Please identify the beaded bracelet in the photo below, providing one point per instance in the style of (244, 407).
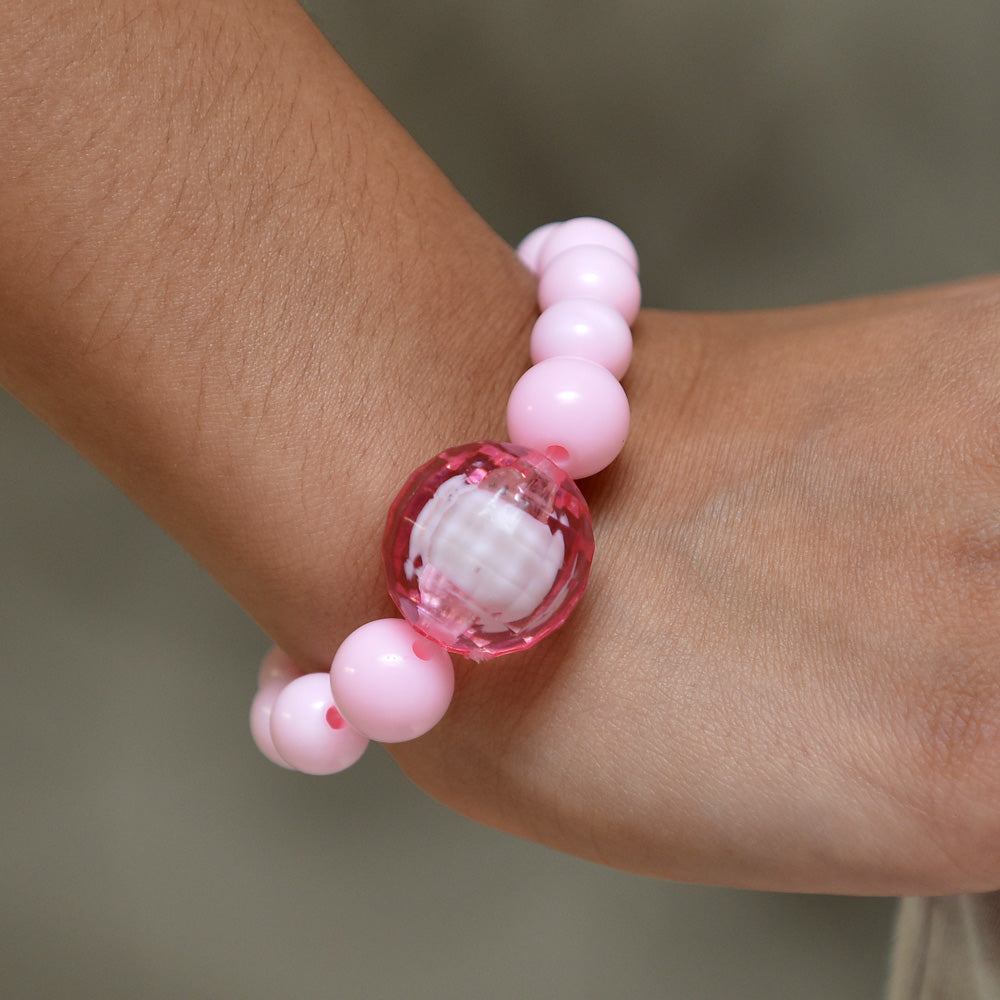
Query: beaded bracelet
(488, 546)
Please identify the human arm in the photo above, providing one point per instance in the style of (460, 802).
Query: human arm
(782, 673)
(233, 282)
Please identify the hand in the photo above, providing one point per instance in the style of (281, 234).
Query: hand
(786, 673)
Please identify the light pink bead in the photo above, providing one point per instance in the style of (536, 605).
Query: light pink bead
(591, 272)
(583, 328)
(277, 665)
(260, 719)
(583, 232)
(573, 411)
(530, 247)
(308, 731)
(391, 682)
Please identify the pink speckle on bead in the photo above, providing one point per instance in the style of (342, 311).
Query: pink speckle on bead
(390, 682)
(301, 730)
(572, 410)
(591, 272)
(529, 249)
(583, 328)
(587, 231)
(487, 548)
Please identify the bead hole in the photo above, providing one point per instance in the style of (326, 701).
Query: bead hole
(556, 454)
(334, 719)
(422, 649)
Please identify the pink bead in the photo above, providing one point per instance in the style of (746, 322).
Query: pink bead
(308, 731)
(260, 720)
(391, 683)
(583, 232)
(572, 410)
(277, 665)
(591, 272)
(530, 247)
(583, 328)
(487, 548)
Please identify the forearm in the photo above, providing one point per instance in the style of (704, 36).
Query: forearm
(231, 280)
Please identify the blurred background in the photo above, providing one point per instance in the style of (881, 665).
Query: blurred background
(763, 153)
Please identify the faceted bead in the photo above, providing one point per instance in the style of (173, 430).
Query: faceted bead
(583, 328)
(530, 247)
(390, 682)
(591, 272)
(308, 731)
(587, 231)
(487, 548)
(572, 410)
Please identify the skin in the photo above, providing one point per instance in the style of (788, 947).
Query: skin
(784, 674)
(241, 290)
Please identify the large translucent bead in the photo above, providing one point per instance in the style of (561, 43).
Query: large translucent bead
(487, 548)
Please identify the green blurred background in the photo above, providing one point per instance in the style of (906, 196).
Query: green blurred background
(762, 153)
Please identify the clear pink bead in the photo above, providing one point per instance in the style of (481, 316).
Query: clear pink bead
(583, 328)
(572, 410)
(487, 548)
(308, 731)
(390, 682)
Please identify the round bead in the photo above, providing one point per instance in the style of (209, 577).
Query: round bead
(530, 247)
(591, 272)
(583, 328)
(277, 665)
(308, 731)
(572, 410)
(487, 548)
(260, 720)
(583, 232)
(390, 682)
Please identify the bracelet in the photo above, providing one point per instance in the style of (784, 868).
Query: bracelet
(488, 546)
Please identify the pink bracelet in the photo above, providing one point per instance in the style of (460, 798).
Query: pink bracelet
(488, 546)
